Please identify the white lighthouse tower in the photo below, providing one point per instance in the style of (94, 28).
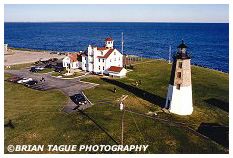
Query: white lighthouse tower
(109, 43)
(179, 96)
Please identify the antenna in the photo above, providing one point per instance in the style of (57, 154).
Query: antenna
(122, 46)
(170, 49)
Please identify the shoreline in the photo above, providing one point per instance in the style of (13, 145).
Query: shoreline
(48, 51)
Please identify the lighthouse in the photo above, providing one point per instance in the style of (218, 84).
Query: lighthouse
(179, 96)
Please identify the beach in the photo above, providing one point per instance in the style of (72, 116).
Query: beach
(22, 56)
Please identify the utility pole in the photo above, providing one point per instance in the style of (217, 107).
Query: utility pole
(122, 46)
(170, 49)
(122, 123)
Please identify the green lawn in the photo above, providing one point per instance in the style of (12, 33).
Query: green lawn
(46, 70)
(154, 76)
(37, 117)
(75, 74)
(19, 66)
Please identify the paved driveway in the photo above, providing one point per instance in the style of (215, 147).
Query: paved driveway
(68, 86)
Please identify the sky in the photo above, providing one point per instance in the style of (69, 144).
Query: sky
(206, 13)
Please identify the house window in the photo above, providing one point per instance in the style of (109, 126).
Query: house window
(179, 74)
(99, 60)
(119, 58)
(85, 58)
(114, 53)
(103, 60)
(180, 64)
(103, 67)
(99, 67)
(178, 86)
(110, 60)
(101, 53)
(115, 59)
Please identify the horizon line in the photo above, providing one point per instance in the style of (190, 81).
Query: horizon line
(104, 22)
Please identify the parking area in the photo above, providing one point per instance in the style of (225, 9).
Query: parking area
(45, 82)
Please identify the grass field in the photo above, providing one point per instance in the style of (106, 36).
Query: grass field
(37, 118)
(19, 66)
(46, 70)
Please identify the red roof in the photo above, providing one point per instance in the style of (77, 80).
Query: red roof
(107, 54)
(103, 48)
(115, 69)
(73, 57)
(108, 39)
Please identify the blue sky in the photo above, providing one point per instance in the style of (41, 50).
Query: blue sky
(116, 13)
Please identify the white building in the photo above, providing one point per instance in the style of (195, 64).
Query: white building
(72, 61)
(5, 48)
(99, 60)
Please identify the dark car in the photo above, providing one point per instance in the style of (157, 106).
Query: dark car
(31, 83)
(14, 79)
(78, 99)
(53, 59)
(48, 66)
(59, 69)
(33, 69)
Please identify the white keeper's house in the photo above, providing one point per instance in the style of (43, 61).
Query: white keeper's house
(98, 60)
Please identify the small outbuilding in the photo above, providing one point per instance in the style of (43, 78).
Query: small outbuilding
(115, 71)
(5, 48)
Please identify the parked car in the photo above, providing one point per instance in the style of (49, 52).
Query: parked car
(48, 66)
(53, 59)
(59, 69)
(24, 80)
(14, 79)
(30, 83)
(62, 53)
(78, 99)
(39, 68)
(33, 69)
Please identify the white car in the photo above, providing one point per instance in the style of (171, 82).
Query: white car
(39, 68)
(24, 80)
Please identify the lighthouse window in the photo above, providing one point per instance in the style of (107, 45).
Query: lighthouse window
(179, 74)
(180, 64)
(178, 86)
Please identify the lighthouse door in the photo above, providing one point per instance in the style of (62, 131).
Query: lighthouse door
(168, 104)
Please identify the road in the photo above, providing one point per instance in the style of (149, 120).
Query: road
(68, 86)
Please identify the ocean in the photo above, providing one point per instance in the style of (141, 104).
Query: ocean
(208, 43)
